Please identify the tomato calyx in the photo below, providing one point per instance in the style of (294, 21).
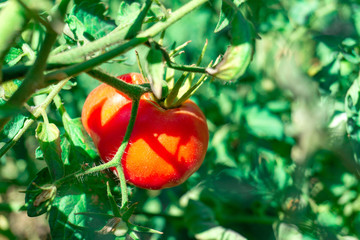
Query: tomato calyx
(169, 92)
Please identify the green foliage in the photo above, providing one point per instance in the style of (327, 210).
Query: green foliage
(13, 127)
(88, 17)
(48, 136)
(283, 157)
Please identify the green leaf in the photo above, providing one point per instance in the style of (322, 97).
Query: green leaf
(329, 74)
(288, 231)
(10, 87)
(128, 211)
(231, 186)
(65, 152)
(270, 176)
(227, 14)
(220, 143)
(264, 124)
(352, 108)
(77, 135)
(78, 151)
(127, 13)
(48, 136)
(357, 220)
(136, 26)
(356, 16)
(91, 14)
(156, 13)
(219, 232)
(301, 12)
(114, 207)
(134, 236)
(34, 207)
(77, 28)
(278, 106)
(13, 126)
(69, 85)
(14, 56)
(155, 70)
(201, 222)
(137, 228)
(87, 195)
(39, 154)
(199, 217)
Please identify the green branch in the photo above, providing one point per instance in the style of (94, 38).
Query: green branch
(176, 66)
(35, 77)
(86, 66)
(18, 71)
(132, 90)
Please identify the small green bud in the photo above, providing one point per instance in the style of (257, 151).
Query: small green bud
(234, 63)
(238, 55)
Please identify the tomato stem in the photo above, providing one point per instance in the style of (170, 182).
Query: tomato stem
(121, 150)
(44, 116)
(81, 173)
(176, 66)
(131, 90)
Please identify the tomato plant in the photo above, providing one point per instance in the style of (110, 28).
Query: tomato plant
(166, 145)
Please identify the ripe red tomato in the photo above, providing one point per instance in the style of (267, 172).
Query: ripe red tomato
(166, 145)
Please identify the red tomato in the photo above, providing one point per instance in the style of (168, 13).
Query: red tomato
(166, 145)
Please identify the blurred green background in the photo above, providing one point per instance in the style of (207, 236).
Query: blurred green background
(282, 158)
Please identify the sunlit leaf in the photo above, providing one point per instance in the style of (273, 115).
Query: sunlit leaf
(12, 127)
(201, 222)
(77, 135)
(226, 15)
(264, 124)
(127, 13)
(91, 16)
